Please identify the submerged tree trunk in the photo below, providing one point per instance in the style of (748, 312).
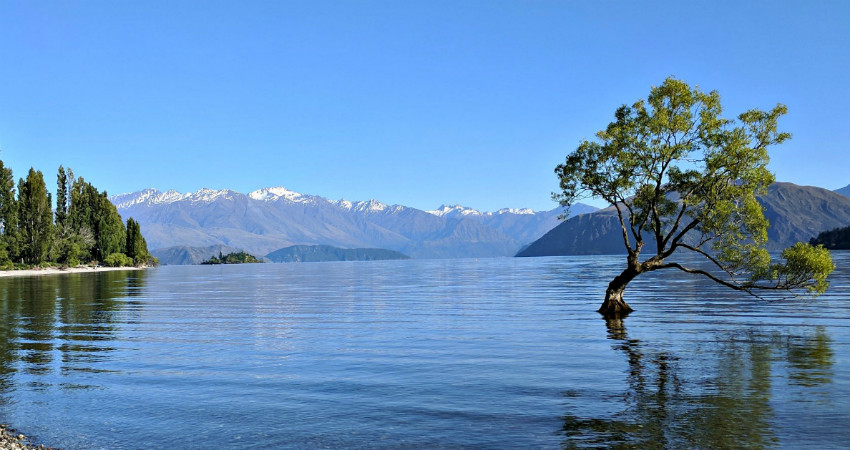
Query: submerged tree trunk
(614, 307)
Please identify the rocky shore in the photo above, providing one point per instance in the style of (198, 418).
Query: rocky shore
(12, 440)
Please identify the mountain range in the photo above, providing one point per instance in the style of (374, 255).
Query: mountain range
(796, 214)
(176, 224)
(845, 191)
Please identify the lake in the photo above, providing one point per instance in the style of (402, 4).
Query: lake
(504, 353)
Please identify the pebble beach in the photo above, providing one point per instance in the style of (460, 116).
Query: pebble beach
(13, 440)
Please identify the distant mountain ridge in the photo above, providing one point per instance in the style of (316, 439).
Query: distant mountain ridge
(272, 218)
(322, 253)
(796, 214)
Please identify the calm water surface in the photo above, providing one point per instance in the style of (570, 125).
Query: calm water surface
(494, 353)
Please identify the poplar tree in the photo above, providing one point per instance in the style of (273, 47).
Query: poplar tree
(9, 242)
(84, 201)
(137, 248)
(61, 197)
(35, 217)
(110, 234)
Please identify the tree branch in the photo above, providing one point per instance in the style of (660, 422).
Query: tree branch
(623, 227)
(714, 278)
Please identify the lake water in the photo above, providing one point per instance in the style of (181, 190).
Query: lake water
(487, 354)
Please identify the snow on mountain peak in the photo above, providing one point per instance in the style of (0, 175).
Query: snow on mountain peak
(129, 199)
(369, 206)
(274, 193)
(454, 211)
(152, 196)
(207, 195)
(515, 211)
(169, 196)
(148, 196)
(365, 207)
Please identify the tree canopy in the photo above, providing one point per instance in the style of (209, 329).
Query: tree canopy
(684, 179)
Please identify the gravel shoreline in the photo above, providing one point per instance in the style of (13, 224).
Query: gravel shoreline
(31, 272)
(12, 440)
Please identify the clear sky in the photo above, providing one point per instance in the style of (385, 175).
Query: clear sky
(415, 103)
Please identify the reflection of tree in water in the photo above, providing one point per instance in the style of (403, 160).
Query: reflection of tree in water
(69, 317)
(727, 406)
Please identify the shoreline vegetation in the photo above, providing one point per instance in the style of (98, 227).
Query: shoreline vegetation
(81, 227)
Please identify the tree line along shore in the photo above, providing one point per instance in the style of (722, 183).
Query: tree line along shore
(83, 229)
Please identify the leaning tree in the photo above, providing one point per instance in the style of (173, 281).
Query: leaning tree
(683, 179)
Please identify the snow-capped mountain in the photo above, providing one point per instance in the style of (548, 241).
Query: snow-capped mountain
(272, 218)
(453, 211)
(148, 196)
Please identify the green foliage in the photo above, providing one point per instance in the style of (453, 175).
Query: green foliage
(837, 239)
(117, 260)
(92, 210)
(805, 265)
(35, 218)
(683, 178)
(85, 201)
(71, 248)
(136, 247)
(233, 258)
(110, 234)
(61, 197)
(9, 239)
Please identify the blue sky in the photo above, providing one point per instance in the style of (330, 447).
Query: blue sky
(416, 103)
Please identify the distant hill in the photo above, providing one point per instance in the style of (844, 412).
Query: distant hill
(319, 253)
(796, 214)
(272, 218)
(182, 255)
(845, 191)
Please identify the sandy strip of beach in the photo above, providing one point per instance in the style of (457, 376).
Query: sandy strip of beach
(32, 272)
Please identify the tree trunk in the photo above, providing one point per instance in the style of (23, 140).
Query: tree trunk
(614, 307)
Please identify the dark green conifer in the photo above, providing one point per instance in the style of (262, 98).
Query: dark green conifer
(137, 247)
(110, 234)
(35, 218)
(9, 240)
(61, 197)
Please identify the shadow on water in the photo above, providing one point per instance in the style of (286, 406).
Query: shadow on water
(722, 402)
(60, 323)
